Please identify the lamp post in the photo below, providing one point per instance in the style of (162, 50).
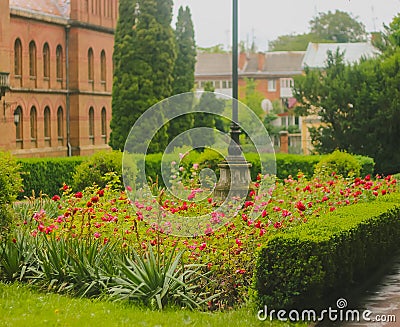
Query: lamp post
(235, 170)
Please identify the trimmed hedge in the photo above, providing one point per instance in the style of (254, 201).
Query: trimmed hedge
(47, 175)
(311, 265)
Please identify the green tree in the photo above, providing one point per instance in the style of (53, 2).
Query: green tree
(364, 119)
(294, 42)
(338, 26)
(388, 40)
(144, 57)
(184, 71)
(207, 101)
(253, 97)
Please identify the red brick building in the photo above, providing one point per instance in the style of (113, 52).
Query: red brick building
(56, 75)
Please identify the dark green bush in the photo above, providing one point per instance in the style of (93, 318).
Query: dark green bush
(92, 170)
(10, 186)
(314, 263)
(47, 175)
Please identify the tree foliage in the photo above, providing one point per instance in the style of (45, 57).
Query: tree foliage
(358, 106)
(338, 26)
(144, 58)
(294, 42)
(183, 71)
(209, 102)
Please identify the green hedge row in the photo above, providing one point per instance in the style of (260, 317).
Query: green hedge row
(313, 264)
(47, 175)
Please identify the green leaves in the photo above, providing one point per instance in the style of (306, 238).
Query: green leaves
(159, 280)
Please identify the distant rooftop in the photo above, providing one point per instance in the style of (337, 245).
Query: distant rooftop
(58, 8)
(316, 53)
(284, 62)
(213, 64)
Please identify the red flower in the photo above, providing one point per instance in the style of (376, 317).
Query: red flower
(89, 204)
(332, 209)
(264, 213)
(368, 178)
(300, 206)
(55, 197)
(202, 246)
(239, 242)
(278, 225)
(383, 192)
(94, 199)
(65, 187)
(241, 271)
(78, 195)
(100, 192)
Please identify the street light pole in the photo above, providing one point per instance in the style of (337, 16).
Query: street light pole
(235, 170)
(234, 146)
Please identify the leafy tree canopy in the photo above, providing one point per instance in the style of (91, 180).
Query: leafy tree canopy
(337, 27)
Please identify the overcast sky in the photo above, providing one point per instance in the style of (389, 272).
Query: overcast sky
(266, 19)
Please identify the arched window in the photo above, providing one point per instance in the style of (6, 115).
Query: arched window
(103, 67)
(33, 120)
(17, 57)
(46, 61)
(90, 65)
(59, 62)
(91, 124)
(60, 125)
(18, 123)
(32, 59)
(47, 126)
(104, 124)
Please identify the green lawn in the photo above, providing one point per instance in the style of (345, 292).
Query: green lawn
(23, 306)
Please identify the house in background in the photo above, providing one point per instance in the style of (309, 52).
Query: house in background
(56, 69)
(315, 58)
(272, 72)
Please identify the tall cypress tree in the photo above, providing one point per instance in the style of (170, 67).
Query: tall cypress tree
(144, 58)
(184, 71)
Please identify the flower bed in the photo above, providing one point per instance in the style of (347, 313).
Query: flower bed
(106, 221)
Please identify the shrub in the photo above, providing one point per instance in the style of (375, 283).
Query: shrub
(92, 170)
(10, 186)
(310, 265)
(338, 162)
(47, 175)
(160, 279)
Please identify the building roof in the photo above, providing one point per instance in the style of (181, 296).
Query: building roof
(58, 8)
(272, 63)
(283, 62)
(316, 53)
(213, 64)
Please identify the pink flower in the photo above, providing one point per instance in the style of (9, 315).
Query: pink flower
(202, 246)
(129, 189)
(241, 271)
(195, 166)
(96, 235)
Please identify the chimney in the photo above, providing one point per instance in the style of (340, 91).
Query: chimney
(242, 60)
(261, 61)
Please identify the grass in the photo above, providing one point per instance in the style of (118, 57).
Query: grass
(20, 305)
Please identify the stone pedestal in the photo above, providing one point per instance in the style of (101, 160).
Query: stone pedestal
(234, 178)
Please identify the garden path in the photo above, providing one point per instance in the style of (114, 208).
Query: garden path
(383, 298)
